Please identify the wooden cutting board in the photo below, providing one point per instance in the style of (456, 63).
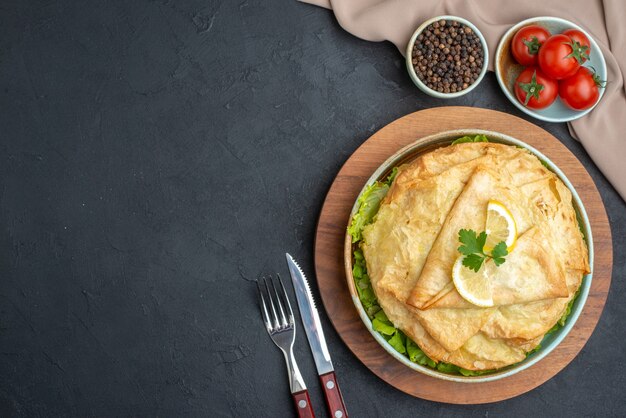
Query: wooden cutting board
(329, 262)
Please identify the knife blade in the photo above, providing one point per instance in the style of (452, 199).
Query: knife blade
(314, 333)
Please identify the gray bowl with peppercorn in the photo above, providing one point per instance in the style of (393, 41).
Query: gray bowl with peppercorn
(447, 57)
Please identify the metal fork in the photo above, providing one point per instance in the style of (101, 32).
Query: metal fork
(282, 330)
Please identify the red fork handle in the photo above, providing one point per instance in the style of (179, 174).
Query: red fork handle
(334, 400)
(303, 404)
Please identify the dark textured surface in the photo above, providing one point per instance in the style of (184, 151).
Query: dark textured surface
(156, 158)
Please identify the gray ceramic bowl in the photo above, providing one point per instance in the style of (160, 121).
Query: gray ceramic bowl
(420, 84)
(550, 342)
(507, 69)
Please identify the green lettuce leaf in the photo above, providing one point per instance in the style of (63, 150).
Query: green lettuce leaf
(466, 138)
(466, 372)
(368, 202)
(534, 350)
(416, 355)
(561, 322)
(398, 342)
(382, 316)
(448, 368)
(382, 327)
(413, 351)
(568, 310)
(392, 176)
(363, 285)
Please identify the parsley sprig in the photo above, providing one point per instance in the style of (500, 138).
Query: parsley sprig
(472, 248)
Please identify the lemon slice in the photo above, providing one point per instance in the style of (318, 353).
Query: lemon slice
(500, 226)
(472, 286)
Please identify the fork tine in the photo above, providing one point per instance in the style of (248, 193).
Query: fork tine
(283, 318)
(269, 296)
(266, 318)
(286, 299)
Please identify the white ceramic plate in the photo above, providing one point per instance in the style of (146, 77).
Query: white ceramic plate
(550, 342)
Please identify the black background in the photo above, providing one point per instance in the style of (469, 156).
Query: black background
(158, 156)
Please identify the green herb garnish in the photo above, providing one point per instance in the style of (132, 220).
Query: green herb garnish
(475, 255)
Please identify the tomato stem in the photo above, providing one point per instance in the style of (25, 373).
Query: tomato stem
(532, 45)
(531, 89)
(596, 78)
(579, 52)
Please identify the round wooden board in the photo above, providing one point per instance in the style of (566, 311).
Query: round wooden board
(329, 263)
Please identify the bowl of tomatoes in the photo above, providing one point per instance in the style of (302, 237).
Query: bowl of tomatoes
(551, 69)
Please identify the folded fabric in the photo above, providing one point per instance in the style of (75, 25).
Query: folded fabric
(601, 132)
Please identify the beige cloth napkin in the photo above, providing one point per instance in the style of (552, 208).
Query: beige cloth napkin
(602, 132)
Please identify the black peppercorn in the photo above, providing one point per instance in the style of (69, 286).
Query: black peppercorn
(447, 56)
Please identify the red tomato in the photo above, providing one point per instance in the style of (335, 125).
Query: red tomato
(526, 42)
(577, 36)
(534, 90)
(580, 91)
(560, 57)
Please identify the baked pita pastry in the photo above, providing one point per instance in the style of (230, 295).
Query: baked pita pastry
(411, 246)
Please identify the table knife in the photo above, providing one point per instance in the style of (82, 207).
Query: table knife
(317, 342)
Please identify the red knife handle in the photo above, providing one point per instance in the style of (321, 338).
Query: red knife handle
(334, 400)
(303, 404)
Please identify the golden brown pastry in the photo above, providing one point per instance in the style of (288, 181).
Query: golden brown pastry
(412, 243)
